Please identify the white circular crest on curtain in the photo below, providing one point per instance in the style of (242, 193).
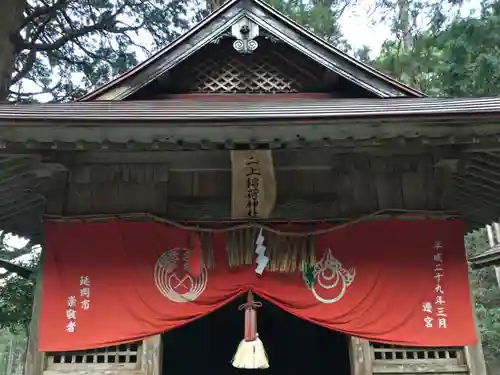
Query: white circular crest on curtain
(174, 281)
(331, 279)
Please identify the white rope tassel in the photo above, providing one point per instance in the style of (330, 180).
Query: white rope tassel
(251, 355)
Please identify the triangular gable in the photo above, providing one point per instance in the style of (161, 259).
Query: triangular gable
(264, 21)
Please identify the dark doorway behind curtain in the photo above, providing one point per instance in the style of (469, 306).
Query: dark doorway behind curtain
(294, 346)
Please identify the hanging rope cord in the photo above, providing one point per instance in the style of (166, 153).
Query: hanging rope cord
(443, 215)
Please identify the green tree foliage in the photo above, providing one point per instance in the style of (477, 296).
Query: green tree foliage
(16, 291)
(319, 16)
(452, 57)
(16, 300)
(12, 352)
(65, 47)
(470, 55)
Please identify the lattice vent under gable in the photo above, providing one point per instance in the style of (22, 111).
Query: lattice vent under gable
(125, 356)
(272, 68)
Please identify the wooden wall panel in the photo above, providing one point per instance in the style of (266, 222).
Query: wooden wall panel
(387, 184)
(349, 186)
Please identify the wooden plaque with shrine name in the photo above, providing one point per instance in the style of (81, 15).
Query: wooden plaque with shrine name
(253, 184)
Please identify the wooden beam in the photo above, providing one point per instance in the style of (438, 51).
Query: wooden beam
(218, 209)
(485, 191)
(489, 173)
(219, 159)
(342, 134)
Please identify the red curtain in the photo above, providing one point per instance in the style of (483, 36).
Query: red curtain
(399, 282)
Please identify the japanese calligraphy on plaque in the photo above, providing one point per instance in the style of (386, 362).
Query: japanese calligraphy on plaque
(253, 184)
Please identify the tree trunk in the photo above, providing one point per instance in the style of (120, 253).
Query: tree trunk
(404, 23)
(10, 21)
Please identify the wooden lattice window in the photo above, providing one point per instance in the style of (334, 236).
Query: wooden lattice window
(123, 356)
(383, 352)
(411, 360)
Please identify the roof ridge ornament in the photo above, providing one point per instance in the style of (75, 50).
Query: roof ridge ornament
(245, 31)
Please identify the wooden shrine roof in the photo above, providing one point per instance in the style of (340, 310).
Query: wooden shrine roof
(490, 257)
(265, 23)
(209, 108)
(184, 124)
(202, 124)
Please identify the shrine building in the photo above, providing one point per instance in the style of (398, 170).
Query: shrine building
(251, 197)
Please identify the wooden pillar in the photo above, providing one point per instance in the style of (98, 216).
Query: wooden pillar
(35, 360)
(361, 357)
(475, 359)
(152, 355)
(474, 353)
